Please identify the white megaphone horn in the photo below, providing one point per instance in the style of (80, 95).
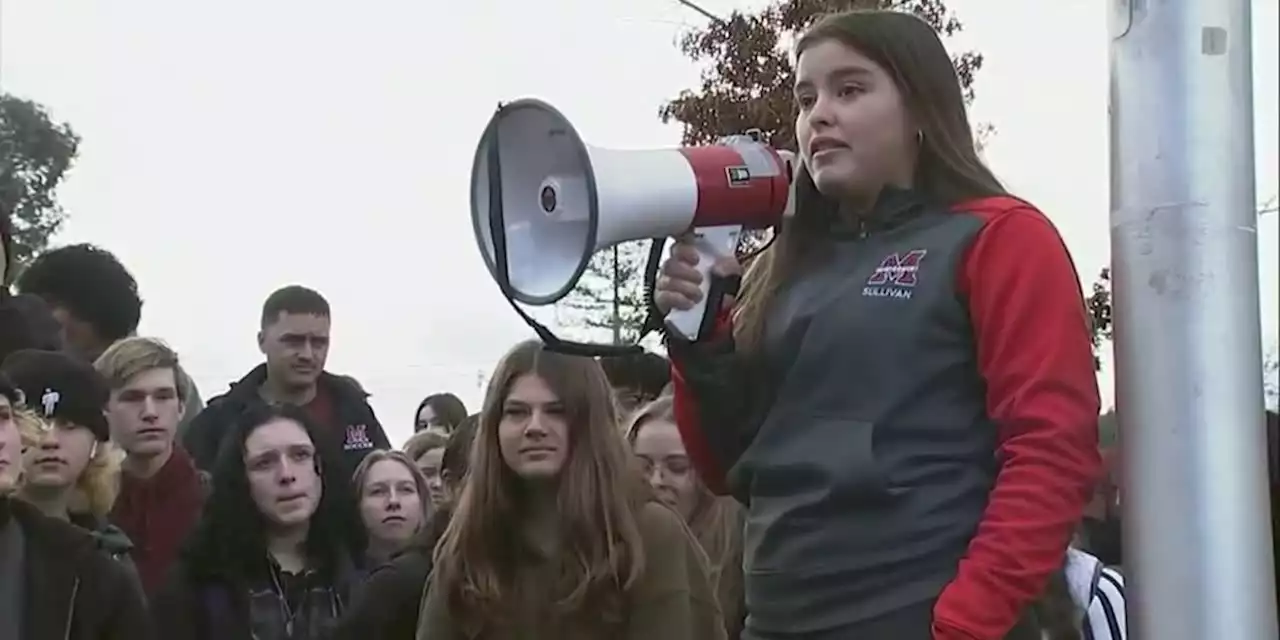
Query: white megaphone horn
(543, 202)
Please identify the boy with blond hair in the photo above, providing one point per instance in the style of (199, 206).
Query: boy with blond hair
(161, 491)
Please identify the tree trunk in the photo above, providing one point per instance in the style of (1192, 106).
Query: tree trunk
(617, 298)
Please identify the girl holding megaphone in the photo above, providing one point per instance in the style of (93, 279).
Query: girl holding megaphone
(903, 393)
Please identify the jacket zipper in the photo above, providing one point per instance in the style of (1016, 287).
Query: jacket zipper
(71, 608)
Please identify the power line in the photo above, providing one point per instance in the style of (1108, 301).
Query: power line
(706, 14)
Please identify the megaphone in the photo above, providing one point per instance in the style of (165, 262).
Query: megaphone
(543, 202)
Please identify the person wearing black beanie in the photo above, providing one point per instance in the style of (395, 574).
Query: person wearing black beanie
(72, 470)
(60, 388)
(54, 580)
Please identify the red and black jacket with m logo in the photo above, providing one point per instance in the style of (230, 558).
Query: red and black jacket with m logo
(919, 425)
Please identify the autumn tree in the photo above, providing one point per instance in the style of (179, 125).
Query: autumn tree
(35, 154)
(746, 84)
(748, 74)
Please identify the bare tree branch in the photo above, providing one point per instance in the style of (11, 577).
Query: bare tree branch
(1269, 206)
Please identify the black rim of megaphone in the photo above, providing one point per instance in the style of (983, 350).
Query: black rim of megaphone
(488, 152)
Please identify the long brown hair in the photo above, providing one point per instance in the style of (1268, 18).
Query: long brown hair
(599, 494)
(714, 521)
(948, 169)
(717, 524)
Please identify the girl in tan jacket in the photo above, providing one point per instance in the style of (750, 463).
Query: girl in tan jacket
(716, 522)
(555, 535)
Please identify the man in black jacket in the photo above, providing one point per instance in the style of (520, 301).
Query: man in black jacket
(294, 338)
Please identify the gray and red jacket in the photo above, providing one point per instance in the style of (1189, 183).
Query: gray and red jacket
(920, 423)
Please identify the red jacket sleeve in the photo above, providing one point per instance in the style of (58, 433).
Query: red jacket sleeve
(688, 416)
(1035, 354)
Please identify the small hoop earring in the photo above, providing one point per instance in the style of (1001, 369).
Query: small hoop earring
(920, 138)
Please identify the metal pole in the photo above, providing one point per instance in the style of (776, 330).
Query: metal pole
(1188, 346)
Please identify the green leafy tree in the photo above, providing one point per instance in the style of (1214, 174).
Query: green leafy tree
(746, 84)
(35, 154)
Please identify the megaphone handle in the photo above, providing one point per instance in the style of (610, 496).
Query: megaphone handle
(712, 243)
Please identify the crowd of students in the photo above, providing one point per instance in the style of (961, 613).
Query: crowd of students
(868, 445)
(279, 538)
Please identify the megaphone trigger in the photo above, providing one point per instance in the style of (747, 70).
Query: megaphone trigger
(731, 285)
(712, 243)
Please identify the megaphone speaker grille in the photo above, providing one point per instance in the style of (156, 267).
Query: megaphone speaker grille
(549, 204)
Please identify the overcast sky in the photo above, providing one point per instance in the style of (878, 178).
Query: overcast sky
(234, 147)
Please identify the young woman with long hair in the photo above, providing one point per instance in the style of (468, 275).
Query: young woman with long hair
(280, 543)
(392, 493)
(386, 605)
(904, 394)
(555, 534)
(715, 521)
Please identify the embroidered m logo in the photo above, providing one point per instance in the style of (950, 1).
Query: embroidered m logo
(357, 438)
(898, 269)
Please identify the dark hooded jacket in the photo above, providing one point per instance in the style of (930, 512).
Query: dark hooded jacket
(72, 590)
(206, 602)
(225, 584)
(112, 541)
(386, 605)
(356, 433)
